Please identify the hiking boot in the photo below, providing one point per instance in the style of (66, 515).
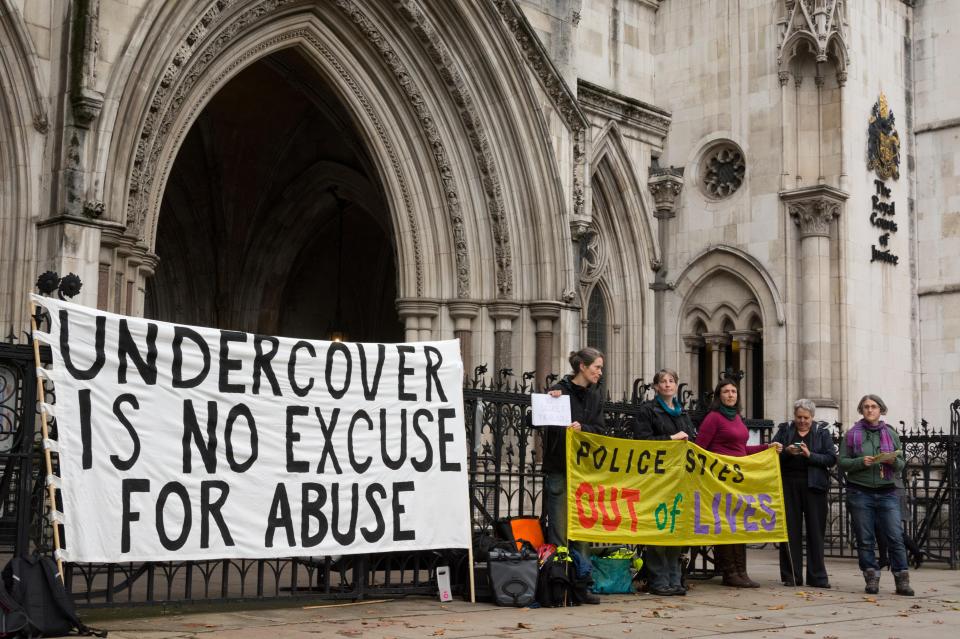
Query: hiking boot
(590, 598)
(872, 580)
(902, 580)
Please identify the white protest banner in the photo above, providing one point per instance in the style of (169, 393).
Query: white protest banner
(550, 411)
(181, 443)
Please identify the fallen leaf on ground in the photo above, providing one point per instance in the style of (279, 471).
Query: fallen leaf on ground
(525, 626)
(809, 632)
(870, 599)
(438, 633)
(777, 607)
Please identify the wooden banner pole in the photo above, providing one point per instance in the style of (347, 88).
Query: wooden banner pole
(45, 432)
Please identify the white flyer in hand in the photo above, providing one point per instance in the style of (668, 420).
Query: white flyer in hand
(550, 411)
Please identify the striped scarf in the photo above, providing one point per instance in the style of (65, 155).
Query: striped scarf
(855, 442)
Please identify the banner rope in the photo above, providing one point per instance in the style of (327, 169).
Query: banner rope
(55, 515)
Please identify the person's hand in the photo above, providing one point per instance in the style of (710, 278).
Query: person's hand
(680, 435)
(575, 426)
(804, 450)
(868, 460)
(554, 393)
(794, 450)
(776, 445)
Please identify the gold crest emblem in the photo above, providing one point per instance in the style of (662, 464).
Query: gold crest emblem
(883, 142)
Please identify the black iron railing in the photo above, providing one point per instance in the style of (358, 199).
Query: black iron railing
(505, 479)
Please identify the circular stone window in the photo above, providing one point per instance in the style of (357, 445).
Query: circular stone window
(722, 170)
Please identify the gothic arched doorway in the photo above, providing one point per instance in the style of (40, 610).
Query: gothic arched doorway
(273, 212)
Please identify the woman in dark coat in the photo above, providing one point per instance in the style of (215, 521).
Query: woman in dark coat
(807, 456)
(663, 419)
(586, 411)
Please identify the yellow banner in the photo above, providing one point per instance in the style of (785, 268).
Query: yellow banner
(670, 493)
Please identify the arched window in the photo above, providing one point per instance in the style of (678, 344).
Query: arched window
(597, 320)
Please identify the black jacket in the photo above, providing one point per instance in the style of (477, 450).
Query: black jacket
(823, 454)
(654, 423)
(586, 407)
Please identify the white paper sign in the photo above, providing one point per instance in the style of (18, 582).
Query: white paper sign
(550, 411)
(181, 442)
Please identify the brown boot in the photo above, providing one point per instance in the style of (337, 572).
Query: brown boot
(872, 579)
(740, 556)
(726, 563)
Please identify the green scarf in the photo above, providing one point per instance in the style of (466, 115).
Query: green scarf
(728, 412)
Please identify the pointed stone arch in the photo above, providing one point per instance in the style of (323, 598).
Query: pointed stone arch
(23, 120)
(620, 212)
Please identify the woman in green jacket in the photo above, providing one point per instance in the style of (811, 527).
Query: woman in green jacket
(870, 457)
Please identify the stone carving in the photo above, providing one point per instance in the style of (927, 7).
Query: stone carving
(814, 215)
(539, 60)
(593, 254)
(462, 98)
(883, 142)
(722, 170)
(665, 185)
(623, 109)
(84, 47)
(822, 23)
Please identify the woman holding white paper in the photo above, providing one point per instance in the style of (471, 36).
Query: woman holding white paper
(586, 413)
(870, 457)
(663, 419)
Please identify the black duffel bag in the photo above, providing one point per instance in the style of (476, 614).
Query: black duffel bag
(513, 576)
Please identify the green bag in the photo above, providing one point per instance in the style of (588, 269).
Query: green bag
(613, 574)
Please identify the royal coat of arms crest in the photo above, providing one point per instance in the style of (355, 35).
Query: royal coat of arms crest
(883, 142)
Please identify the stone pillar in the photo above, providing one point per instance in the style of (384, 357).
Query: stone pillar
(125, 265)
(417, 316)
(544, 313)
(463, 314)
(746, 341)
(665, 185)
(813, 210)
(718, 363)
(503, 314)
(692, 345)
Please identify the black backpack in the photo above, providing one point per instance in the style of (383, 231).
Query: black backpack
(33, 583)
(554, 586)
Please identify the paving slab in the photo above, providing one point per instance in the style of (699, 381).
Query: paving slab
(709, 610)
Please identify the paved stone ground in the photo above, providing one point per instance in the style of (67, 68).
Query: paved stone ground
(709, 610)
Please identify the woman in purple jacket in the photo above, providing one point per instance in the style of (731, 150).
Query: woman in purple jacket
(723, 432)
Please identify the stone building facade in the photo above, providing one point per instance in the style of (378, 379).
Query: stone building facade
(684, 183)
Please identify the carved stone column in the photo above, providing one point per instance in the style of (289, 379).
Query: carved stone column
(746, 340)
(544, 314)
(813, 210)
(665, 185)
(125, 266)
(692, 346)
(463, 314)
(503, 314)
(718, 360)
(418, 316)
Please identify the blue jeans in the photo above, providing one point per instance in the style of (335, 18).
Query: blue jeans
(873, 512)
(663, 564)
(555, 503)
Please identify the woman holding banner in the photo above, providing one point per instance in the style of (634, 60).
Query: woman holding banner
(663, 419)
(808, 454)
(871, 456)
(586, 411)
(723, 432)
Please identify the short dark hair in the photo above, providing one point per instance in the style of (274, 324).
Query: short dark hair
(666, 371)
(715, 403)
(585, 356)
